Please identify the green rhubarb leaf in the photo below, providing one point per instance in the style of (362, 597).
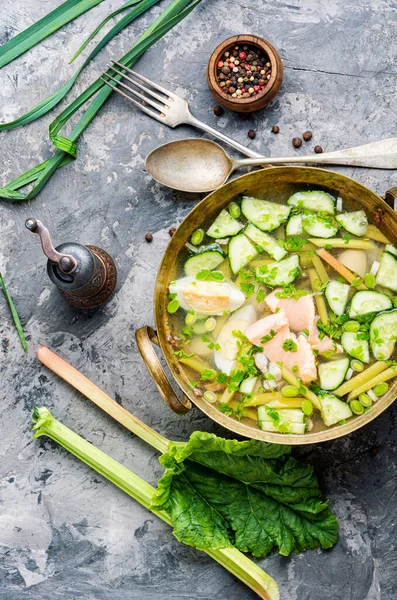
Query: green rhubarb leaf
(250, 495)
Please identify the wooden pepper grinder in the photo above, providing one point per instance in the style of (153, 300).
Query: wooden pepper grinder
(85, 276)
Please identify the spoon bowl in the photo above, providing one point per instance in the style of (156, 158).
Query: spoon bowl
(190, 165)
(199, 165)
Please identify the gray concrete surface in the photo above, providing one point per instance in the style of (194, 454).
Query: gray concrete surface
(65, 533)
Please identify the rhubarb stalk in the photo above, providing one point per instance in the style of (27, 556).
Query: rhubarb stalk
(230, 558)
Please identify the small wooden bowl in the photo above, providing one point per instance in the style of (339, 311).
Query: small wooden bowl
(261, 99)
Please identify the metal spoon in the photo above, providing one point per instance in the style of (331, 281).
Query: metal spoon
(199, 165)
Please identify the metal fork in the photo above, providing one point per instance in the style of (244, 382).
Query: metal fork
(169, 108)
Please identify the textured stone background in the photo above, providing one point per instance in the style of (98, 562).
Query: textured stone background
(64, 532)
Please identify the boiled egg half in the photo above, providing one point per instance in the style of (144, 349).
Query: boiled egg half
(225, 357)
(210, 298)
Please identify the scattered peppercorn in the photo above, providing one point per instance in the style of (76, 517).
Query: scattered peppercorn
(318, 149)
(252, 134)
(307, 136)
(218, 110)
(149, 237)
(172, 231)
(244, 72)
(297, 142)
(275, 129)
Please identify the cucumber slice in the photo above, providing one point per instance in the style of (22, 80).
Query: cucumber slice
(241, 252)
(337, 295)
(391, 249)
(224, 226)
(279, 273)
(290, 415)
(294, 225)
(248, 385)
(387, 272)
(353, 345)
(199, 327)
(354, 222)
(316, 200)
(265, 215)
(321, 227)
(209, 259)
(333, 373)
(383, 334)
(297, 428)
(367, 302)
(266, 241)
(334, 410)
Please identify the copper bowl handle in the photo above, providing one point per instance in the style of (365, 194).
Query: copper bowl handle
(145, 338)
(390, 197)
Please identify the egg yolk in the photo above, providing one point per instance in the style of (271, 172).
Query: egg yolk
(206, 297)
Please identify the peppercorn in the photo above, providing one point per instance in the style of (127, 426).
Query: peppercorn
(297, 142)
(252, 134)
(318, 149)
(149, 237)
(275, 129)
(172, 231)
(245, 67)
(307, 136)
(218, 110)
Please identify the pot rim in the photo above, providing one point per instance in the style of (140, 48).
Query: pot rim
(208, 409)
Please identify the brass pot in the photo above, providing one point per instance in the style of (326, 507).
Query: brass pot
(273, 182)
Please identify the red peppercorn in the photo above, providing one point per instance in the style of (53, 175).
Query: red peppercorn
(243, 90)
(220, 64)
(257, 88)
(243, 55)
(258, 68)
(247, 67)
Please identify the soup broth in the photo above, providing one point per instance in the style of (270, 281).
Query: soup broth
(281, 310)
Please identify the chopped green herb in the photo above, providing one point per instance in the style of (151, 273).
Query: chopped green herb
(294, 244)
(273, 414)
(290, 291)
(268, 337)
(247, 288)
(183, 354)
(208, 374)
(289, 345)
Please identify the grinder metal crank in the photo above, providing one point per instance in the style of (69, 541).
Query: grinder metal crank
(85, 276)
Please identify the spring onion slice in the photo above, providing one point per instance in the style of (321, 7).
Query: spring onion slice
(14, 313)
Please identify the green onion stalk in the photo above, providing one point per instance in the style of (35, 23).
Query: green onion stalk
(230, 558)
(67, 146)
(21, 43)
(14, 314)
